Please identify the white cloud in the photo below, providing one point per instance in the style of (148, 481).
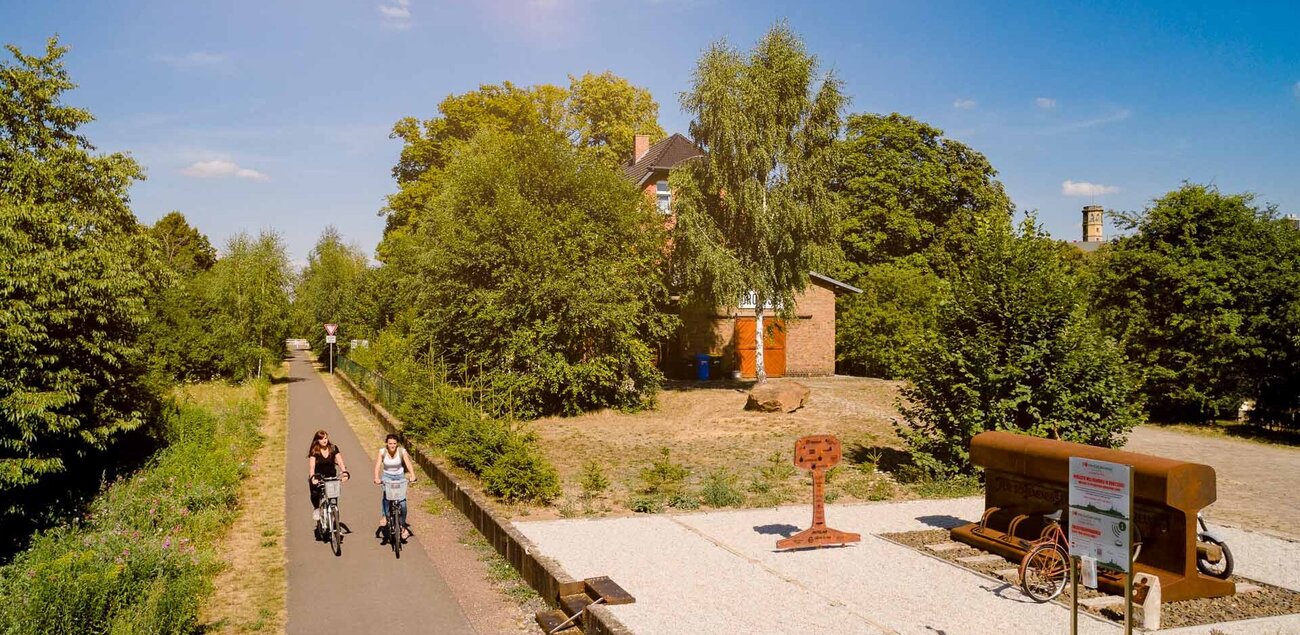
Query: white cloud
(396, 14)
(964, 104)
(1045, 103)
(218, 168)
(1084, 188)
(1084, 124)
(196, 59)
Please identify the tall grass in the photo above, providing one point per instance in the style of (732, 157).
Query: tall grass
(142, 558)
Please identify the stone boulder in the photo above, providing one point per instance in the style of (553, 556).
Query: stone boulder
(777, 396)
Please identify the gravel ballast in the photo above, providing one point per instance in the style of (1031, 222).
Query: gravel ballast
(719, 572)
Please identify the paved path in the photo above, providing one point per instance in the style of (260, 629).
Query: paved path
(366, 589)
(1256, 482)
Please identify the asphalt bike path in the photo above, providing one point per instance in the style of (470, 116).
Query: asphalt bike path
(365, 589)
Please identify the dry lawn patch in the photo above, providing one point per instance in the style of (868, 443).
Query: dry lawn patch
(249, 593)
(726, 449)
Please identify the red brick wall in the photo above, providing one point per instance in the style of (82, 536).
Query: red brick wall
(810, 341)
(809, 344)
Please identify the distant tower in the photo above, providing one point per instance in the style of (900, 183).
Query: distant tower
(1092, 224)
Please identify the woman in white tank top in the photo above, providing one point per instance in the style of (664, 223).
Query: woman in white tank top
(392, 464)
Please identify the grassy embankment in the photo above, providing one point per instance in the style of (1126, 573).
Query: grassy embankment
(144, 556)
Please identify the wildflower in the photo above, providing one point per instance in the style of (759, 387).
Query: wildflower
(167, 543)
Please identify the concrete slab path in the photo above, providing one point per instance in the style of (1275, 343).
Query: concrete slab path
(366, 589)
(719, 572)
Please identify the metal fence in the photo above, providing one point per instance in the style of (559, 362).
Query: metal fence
(385, 392)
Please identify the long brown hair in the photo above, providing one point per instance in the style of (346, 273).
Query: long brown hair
(315, 443)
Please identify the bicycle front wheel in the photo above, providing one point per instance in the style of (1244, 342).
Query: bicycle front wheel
(336, 535)
(395, 529)
(1044, 571)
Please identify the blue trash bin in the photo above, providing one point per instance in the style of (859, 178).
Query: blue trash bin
(702, 367)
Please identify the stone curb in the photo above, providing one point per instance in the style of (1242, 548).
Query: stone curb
(541, 573)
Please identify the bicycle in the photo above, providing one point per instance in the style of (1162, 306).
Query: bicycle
(329, 525)
(394, 495)
(1213, 557)
(1046, 566)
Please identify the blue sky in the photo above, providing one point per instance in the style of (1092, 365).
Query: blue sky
(275, 114)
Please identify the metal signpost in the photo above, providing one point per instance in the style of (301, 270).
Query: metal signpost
(1101, 526)
(329, 339)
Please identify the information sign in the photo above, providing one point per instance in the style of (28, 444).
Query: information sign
(1100, 504)
(329, 339)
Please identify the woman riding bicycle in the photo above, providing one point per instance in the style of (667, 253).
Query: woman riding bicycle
(392, 464)
(324, 460)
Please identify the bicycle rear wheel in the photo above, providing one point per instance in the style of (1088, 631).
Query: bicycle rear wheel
(336, 534)
(1044, 571)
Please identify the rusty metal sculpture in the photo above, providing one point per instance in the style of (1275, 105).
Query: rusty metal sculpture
(1026, 478)
(818, 453)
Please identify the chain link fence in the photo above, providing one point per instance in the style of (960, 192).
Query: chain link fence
(386, 393)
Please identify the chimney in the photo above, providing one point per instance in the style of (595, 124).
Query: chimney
(640, 146)
(1092, 224)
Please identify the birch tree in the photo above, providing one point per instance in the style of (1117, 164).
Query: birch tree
(755, 213)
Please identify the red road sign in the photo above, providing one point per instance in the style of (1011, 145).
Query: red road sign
(330, 328)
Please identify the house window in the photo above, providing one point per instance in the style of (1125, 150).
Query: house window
(663, 196)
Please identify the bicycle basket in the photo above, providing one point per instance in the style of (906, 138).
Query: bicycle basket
(332, 488)
(395, 490)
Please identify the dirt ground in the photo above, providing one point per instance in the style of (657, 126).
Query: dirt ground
(706, 429)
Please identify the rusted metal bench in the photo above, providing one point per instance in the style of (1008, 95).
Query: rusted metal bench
(1026, 478)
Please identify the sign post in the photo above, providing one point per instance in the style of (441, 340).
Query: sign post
(329, 338)
(1101, 525)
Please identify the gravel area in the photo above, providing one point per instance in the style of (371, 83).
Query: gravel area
(719, 572)
(1267, 601)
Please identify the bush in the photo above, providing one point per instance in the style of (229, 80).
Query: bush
(1016, 351)
(140, 561)
(520, 473)
(594, 482)
(719, 489)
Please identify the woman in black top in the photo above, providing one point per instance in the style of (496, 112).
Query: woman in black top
(324, 460)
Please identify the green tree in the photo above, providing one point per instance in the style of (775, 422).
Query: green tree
(878, 329)
(329, 289)
(541, 269)
(1205, 294)
(184, 249)
(605, 113)
(755, 214)
(910, 193)
(1016, 351)
(250, 286)
(75, 270)
(911, 199)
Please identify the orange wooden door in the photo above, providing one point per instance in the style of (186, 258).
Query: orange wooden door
(773, 347)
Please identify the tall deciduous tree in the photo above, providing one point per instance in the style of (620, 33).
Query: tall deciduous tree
(1205, 293)
(755, 213)
(911, 201)
(605, 113)
(542, 280)
(251, 282)
(328, 290)
(75, 270)
(1017, 351)
(184, 249)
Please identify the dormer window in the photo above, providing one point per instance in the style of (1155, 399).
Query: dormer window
(663, 196)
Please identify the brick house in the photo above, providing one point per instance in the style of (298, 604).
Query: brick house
(805, 346)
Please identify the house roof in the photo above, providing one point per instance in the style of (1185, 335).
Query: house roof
(838, 287)
(661, 156)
